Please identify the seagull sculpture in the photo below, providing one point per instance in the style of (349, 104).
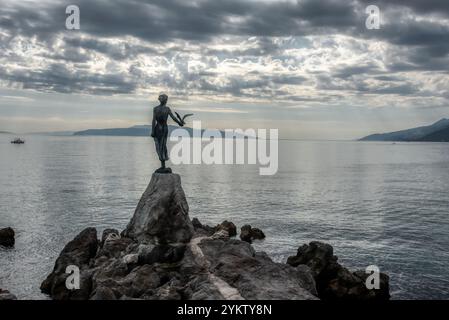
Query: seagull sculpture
(185, 116)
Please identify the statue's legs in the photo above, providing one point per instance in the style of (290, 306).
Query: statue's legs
(161, 149)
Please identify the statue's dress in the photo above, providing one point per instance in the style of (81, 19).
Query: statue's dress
(161, 134)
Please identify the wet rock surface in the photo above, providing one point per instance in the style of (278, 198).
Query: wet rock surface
(227, 226)
(80, 253)
(333, 281)
(248, 233)
(162, 213)
(6, 295)
(7, 237)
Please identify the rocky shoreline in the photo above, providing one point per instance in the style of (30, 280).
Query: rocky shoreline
(162, 254)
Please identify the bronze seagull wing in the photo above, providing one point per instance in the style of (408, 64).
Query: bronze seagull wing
(187, 115)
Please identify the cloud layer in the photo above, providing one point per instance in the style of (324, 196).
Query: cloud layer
(301, 53)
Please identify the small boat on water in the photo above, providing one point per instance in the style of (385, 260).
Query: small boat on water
(18, 141)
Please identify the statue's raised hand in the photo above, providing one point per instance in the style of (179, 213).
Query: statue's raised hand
(181, 120)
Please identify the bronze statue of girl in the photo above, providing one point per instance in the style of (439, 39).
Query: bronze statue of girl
(159, 130)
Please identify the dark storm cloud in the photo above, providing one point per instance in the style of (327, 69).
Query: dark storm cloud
(430, 38)
(262, 46)
(418, 6)
(71, 54)
(349, 71)
(362, 86)
(403, 89)
(57, 77)
(162, 20)
(116, 51)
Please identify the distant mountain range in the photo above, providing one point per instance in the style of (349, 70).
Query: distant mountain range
(54, 133)
(135, 131)
(437, 132)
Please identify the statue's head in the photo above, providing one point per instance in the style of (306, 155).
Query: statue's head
(163, 98)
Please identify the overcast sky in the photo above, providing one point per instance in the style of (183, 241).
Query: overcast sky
(309, 68)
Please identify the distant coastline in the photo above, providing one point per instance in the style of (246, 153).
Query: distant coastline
(134, 131)
(436, 132)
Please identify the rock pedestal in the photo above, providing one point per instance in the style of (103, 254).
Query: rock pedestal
(162, 215)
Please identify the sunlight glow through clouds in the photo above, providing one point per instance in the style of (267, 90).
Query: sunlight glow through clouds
(244, 58)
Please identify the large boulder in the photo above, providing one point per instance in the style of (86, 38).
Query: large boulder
(149, 254)
(112, 244)
(162, 215)
(202, 229)
(78, 252)
(7, 237)
(248, 233)
(227, 226)
(317, 255)
(333, 281)
(253, 275)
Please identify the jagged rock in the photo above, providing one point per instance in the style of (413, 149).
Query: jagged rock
(131, 258)
(245, 233)
(196, 223)
(248, 234)
(168, 291)
(106, 232)
(317, 255)
(6, 295)
(228, 226)
(77, 252)
(257, 234)
(221, 234)
(202, 288)
(255, 275)
(351, 286)
(333, 281)
(103, 293)
(383, 293)
(162, 215)
(162, 254)
(114, 246)
(140, 280)
(202, 230)
(7, 237)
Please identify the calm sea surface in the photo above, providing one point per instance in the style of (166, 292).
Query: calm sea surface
(376, 203)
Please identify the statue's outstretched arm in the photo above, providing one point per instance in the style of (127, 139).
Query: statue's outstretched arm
(181, 124)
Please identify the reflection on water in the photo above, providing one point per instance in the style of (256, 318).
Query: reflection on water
(376, 203)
